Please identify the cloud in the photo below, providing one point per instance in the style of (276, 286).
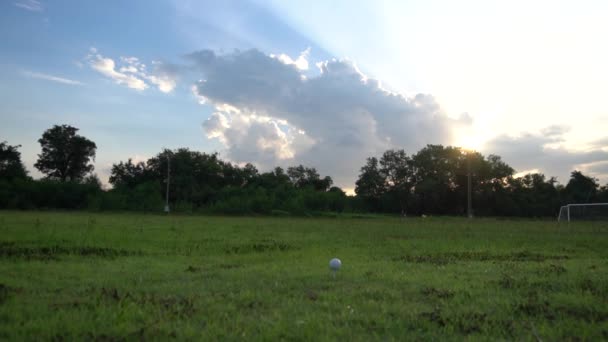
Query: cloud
(269, 114)
(599, 144)
(30, 5)
(249, 137)
(107, 67)
(544, 152)
(598, 169)
(164, 77)
(133, 73)
(301, 62)
(51, 78)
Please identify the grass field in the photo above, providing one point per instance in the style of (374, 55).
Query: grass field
(66, 276)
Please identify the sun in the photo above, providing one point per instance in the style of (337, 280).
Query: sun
(469, 140)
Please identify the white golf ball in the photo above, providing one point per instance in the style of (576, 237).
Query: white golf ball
(335, 264)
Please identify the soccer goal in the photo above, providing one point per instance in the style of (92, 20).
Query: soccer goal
(583, 212)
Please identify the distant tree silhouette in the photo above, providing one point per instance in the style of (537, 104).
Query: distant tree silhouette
(581, 188)
(65, 156)
(304, 177)
(398, 172)
(371, 184)
(128, 174)
(11, 166)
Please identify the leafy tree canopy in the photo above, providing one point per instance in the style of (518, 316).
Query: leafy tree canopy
(65, 156)
(11, 166)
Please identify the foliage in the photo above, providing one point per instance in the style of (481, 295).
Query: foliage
(11, 166)
(581, 188)
(432, 181)
(65, 155)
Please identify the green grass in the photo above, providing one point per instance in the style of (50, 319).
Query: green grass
(66, 276)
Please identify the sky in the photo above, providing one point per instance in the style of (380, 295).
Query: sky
(325, 84)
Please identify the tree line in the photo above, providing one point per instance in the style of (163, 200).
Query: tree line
(432, 181)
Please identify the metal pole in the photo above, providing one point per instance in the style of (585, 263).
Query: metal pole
(469, 185)
(168, 180)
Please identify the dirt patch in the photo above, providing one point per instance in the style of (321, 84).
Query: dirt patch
(229, 266)
(471, 322)
(435, 316)
(4, 293)
(12, 251)
(397, 237)
(177, 306)
(193, 269)
(594, 287)
(509, 282)
(535, 307)
(263, 246)
(437, 293)
(466, 323)
(312, 295)
(552, 269)
(454, 257)
(7, 291)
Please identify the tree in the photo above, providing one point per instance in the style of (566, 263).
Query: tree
(440, 173)
(65, 155)
(370, 185)
(274, 179)
(303, 177)
(397, 170)
(11, 166)
(129, 175)
(581, 188)
(196, 177)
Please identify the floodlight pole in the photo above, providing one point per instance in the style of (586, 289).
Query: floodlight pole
(469, 185)
(168, 180)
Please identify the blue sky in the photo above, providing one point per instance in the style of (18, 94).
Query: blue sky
(321, 83)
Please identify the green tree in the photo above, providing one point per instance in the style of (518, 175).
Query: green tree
(11, 166)
(371, 184)
(304, 177)
(65, 156)
(196, 177)
(440, 173)
(129, 175)
(581, 188)
(397, 170)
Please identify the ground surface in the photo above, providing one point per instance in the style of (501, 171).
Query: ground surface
(66, 276)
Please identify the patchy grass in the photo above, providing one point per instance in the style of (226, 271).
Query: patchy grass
(66, 276)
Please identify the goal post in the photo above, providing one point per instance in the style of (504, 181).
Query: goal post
(583, 211)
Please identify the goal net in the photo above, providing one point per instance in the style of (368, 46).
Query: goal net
(583, 212)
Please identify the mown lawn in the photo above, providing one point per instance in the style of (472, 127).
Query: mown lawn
(66, 276)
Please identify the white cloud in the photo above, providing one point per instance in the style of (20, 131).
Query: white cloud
(129, 68)
(133, 72)
(545, 153)
(301, 62)
(107, 67)
(268, 114)
(525, 172)
(346, 116)
(199, 98)
(248, 137)
(164, 76)
(48, 77)
(30, 5)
